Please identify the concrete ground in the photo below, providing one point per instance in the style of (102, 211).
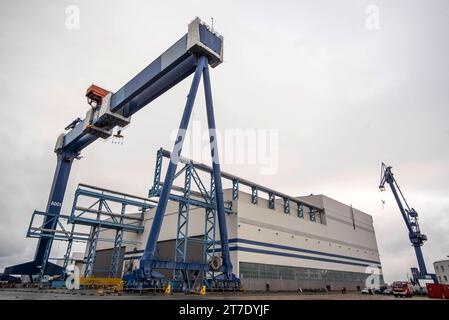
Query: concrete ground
(62, 294)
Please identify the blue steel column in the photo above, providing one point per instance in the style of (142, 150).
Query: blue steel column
(68, 250)
(57, 191)
(420, 258)
(182, 230)
(217, 174)
(118, 243)
(148, 254)
(300, 210)
(254, 196)
(209, 231)
(157, 175)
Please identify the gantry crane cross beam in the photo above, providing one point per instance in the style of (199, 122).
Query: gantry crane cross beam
(409, 215)
(193, 53)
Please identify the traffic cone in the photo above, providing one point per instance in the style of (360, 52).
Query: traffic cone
(168, 289)
(203, 290)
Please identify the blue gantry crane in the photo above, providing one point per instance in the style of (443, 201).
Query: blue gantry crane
(192, 54)
(410, 217)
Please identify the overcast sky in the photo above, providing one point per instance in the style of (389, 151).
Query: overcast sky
(343, 92)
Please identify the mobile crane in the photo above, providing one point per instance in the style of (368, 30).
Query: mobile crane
(192, 54)
(410, 217)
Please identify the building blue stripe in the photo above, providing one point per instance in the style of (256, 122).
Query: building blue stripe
(277, 253)
(279, 246)
(291, 255)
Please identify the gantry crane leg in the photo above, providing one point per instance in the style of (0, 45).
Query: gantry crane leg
(146, 262)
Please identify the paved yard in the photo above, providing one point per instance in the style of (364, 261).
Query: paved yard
(62, 294)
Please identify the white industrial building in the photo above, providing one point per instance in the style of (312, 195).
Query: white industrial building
(442, 271)
(270, 249)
